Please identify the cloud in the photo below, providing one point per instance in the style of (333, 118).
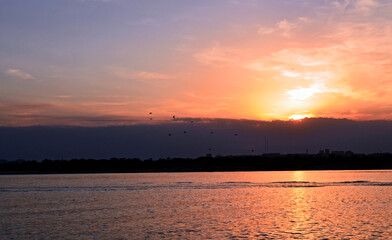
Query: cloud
(360, 7)
(151, 75)
(266, 31)
(63, 96)
(123, 73)
(341, 61)
(301, 93)
(18, 73)
(219, 56)
(298, 58)
(283, 27)
(28, 114)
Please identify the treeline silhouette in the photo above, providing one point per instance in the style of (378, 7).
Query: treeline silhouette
(265, 162)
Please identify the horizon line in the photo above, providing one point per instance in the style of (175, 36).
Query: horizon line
(193, 120)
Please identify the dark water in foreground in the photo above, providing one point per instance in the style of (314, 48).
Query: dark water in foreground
(225, 205)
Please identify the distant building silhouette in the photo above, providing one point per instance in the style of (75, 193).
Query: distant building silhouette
(338, 153)
(324, 153)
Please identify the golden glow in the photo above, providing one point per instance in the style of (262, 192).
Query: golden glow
(264, 68)
(299, 116)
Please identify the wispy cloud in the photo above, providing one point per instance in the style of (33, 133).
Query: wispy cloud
(63, 96)
(357, 7)
(302, 93)
(266, 30)
(219, 55)
(142, 75)
(151, 75)
(282, 27)
(28, 114)
(285, 26)
(18, 73)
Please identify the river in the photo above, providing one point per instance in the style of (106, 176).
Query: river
(206, 205)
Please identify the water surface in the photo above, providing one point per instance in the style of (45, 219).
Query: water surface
(215, 205)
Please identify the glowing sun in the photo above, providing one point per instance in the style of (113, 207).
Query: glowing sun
(299, 116)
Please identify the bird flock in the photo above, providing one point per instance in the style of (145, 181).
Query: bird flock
(186, 132)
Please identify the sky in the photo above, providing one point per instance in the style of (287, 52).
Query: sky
(110, 62)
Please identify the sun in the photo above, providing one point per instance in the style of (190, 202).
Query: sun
(299, 116)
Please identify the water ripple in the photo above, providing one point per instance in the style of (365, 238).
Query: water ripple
(196, 185)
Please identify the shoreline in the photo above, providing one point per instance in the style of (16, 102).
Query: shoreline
(270, 162)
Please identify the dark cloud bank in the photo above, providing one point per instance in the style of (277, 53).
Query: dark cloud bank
(202, 136)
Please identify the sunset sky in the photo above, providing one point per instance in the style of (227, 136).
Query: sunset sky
(104, 62)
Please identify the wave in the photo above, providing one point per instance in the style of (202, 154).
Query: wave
(197, 185)
(292, 182)
(355, 182)
(237, 182)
